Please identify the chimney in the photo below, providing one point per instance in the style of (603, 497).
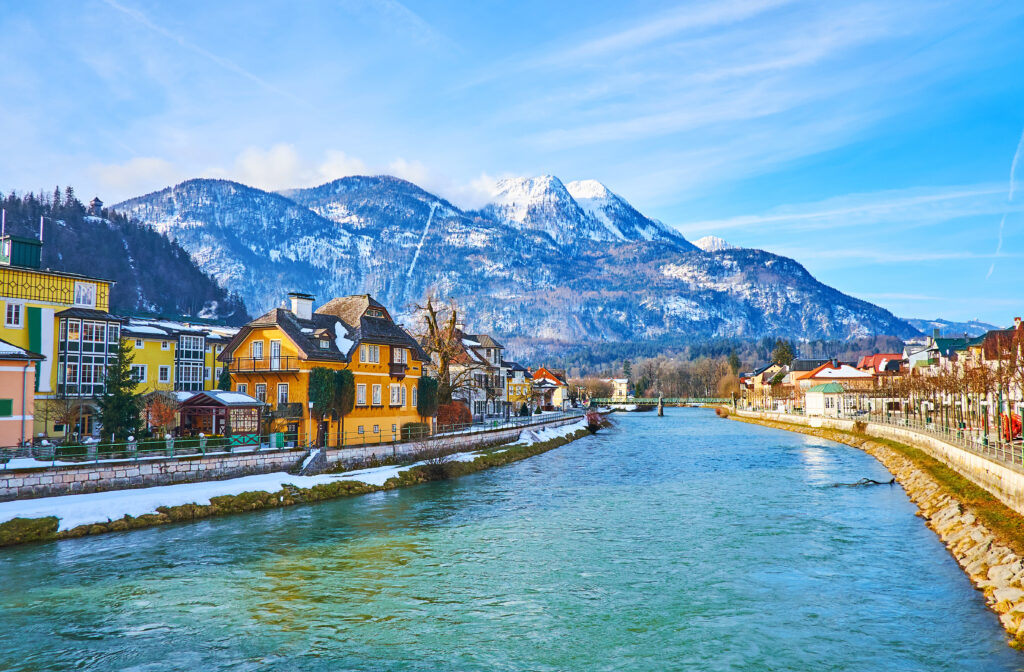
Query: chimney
(302, 305)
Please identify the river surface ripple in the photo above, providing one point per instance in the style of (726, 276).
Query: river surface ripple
(683, 542)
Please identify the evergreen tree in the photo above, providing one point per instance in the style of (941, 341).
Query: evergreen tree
(69, 197)
(734, 362)
(120, 405)
(224, 381)
(627, 369)
(427, 402)
(343, 399)
(783, 353)
(524, 411)
(56, 197)
(321, 395)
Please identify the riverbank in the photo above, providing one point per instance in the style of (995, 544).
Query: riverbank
(188, 502)
(984, 535)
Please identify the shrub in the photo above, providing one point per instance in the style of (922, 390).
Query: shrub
(415, 430)
(453, 414)
(524, 411)
(722, 412)
(860, 426)
(72, 450)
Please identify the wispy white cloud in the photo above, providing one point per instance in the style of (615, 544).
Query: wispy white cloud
(916, 206)
(1009, 200)
(224, 63)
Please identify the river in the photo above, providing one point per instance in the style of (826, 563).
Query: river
(684, 542)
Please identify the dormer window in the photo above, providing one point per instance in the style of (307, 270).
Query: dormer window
(374, 312)
(324, 344)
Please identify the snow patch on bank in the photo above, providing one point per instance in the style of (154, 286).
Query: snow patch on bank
(531, 436)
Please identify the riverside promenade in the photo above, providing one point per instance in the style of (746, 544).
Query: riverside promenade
(30, 476)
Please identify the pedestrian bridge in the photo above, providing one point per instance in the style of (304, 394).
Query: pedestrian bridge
(653, 401)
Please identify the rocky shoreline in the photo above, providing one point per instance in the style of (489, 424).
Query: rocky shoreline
(993, 567)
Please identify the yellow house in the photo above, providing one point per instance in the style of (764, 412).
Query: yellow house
(519, 386)
(65, 317)
(169, 355)
(272, 356)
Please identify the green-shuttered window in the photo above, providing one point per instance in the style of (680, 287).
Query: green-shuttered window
(6, 408)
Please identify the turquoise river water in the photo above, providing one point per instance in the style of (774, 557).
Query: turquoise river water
(684, 542)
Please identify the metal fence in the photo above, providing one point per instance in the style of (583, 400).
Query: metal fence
(192, 446)
(983, 441)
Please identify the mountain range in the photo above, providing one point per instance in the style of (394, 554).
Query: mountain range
(544, 262)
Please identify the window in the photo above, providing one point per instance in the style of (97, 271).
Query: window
(190, 376)
(376, 429)
(361, 395)
(209, 373)
(360, 430)
(395, 395)
(256, 349)
(71, 373)
(403, 396)
(190, 347)
(164, 374)
(374, 312)
(401, 355)
(282, 393)
(261, 391)
(394, 427)
(376, 395)
(138, 344)
(243, 388)
(85, 294)
(165, 345)
(14, 318)
(415, 391)
(87, 374)
(139, 372)
(113, 333)
(74, 330)
(370, 354)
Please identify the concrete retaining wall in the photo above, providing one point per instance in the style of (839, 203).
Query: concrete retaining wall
(1004, 481)
(49, 481)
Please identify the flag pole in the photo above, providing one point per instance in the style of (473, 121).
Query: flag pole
(40, 228)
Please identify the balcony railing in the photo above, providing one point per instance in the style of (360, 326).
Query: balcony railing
(286, 411)
(263, 365)
(397, 369)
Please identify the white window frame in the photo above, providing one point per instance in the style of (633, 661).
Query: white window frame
(361, 394)
(165, 345)
(164, 374)
(144, 369)
(242, 388)
(395, 395)
(139, 344)
(18, 308)
(404, 397)
(260, 392)
(376, 400)
(85, 294)
(282, 387)
(415, 394)
(254, 348)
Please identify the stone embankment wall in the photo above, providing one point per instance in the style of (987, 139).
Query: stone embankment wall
(49, 481)
(993, 567)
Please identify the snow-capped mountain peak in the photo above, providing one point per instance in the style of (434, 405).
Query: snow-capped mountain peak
(589, 189)
(713, 244)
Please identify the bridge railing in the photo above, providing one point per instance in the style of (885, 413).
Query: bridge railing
(646, 401)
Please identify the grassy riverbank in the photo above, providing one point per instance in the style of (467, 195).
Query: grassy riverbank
(25, 530)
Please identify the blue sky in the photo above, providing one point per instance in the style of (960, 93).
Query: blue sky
(875, 142)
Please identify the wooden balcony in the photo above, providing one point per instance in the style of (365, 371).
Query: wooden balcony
(264, 365)
(397, 370)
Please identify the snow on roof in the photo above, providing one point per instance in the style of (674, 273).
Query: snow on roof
(144, 329)
(341, 339)
(844, 371)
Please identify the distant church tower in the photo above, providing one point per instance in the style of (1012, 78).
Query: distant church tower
(96, 206)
